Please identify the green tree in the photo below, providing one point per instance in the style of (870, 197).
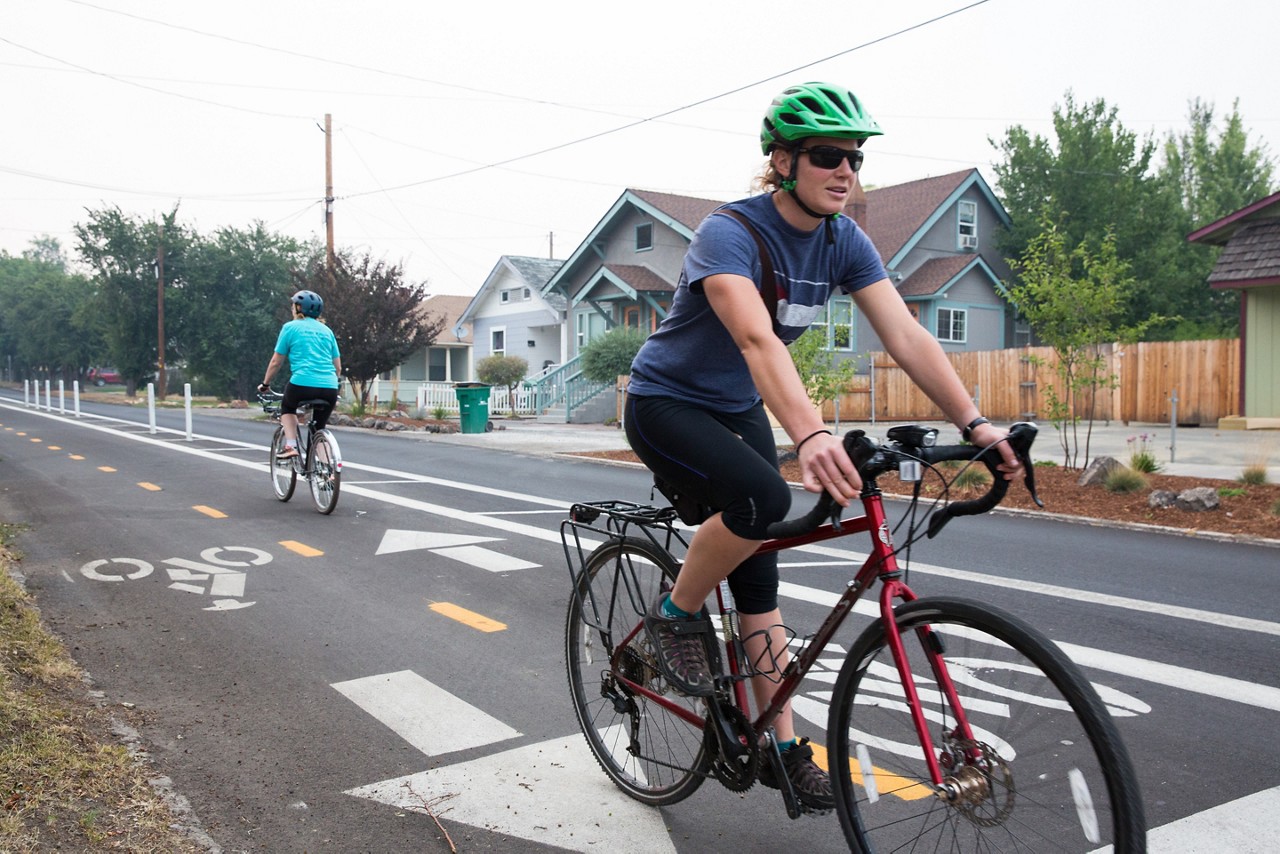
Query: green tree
(121, 253)
(1212, 176)
(505, 371)
(609, 356)
(46, 328)
(1074, 296)
(825, 377)
(237, 286)
(376, 316)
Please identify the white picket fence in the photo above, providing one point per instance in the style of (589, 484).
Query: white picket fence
(430, 397)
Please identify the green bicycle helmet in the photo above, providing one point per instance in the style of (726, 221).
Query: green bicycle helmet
(308, 302)
(815, 109)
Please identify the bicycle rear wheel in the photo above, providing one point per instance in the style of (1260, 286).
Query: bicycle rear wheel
(1045, 771)
(325, 471)
(283, 476)
(646, 749)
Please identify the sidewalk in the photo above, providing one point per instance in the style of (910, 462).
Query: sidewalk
(1195, 451)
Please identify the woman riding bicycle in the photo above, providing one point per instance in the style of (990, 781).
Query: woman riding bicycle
(695, 409)
(314, 364)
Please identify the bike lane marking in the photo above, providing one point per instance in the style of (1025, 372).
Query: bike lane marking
(551, 792)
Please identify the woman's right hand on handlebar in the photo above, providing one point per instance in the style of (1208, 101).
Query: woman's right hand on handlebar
(825, 466)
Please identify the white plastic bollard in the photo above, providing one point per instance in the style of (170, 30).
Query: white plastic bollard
(151, 407)
(186, 397)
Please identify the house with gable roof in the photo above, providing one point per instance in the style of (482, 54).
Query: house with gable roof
(512, 315)
(935, 236)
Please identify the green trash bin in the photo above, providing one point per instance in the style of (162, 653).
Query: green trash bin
(473, 406)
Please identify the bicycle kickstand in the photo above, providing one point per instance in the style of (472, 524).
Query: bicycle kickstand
(773, 756)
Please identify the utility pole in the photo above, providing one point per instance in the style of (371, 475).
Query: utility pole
(328, 194)
(160, 384)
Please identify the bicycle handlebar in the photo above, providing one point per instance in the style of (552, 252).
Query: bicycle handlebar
(906, 444)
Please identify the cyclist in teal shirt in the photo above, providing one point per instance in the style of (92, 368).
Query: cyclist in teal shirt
(314, 363)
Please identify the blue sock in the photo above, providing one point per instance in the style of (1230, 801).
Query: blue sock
(784, 746)
(671, 609)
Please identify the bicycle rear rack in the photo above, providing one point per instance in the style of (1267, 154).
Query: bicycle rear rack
(615, 521)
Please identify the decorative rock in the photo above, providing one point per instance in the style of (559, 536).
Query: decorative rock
(391, 426)
(1095, 474)
(1161, 498)
(1198, 499)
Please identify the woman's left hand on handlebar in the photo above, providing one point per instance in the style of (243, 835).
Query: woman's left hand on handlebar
(825, 465)
(985, 435)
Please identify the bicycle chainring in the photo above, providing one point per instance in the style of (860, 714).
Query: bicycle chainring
(732, 744)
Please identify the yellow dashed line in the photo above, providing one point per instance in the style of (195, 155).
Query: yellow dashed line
(37, 441)
(54, 448)
(887, 783)
(76, 457)
(151, 487)
(105, 468)
(20, 433)
(301, 548)
(209, 511)
(467, 618)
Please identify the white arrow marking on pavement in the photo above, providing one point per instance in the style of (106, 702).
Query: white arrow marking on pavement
(486, 558)
(228, 605)
(552, 792)
(90, 569)
(423, 714)
(407, 541)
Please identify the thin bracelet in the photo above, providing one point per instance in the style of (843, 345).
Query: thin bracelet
(800, 444)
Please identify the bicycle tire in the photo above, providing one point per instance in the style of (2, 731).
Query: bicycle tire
(283, 475)
(324, 471)
(1055, 774)
(668, 760)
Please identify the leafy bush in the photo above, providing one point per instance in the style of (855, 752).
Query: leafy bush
(608, 357)
(1125, 481)
(1231, 491)
(506, 371)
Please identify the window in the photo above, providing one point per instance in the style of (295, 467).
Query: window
(498, 342)
(952, 325)
(967, 225)
(644, 236)
(835, 324)
(504, 297)
(631, 317)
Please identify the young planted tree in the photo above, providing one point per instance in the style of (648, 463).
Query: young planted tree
(505, 371)
(609, 356)
(1075, 296)
(376, 316)
(824, 376)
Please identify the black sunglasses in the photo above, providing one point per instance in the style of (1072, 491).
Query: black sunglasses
(829, 157)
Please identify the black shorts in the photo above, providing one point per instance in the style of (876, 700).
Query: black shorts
(728, 461)
(295, 394)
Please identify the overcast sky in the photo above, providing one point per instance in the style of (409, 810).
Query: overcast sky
(463, 131)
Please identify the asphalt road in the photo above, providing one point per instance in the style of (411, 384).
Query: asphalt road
(311, 683)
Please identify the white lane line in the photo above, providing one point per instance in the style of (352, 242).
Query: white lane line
(1199, 682)
(1238, 826)
(1226, 621)
(424, 714)
(552, 792)
(486, 559)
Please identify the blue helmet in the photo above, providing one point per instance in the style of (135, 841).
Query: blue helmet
(309, 302)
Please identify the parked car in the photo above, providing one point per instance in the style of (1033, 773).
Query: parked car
(102, 376)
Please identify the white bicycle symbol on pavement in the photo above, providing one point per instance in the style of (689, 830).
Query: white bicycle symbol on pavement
(218, 575)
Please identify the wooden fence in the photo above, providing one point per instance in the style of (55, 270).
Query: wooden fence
(1202, 376)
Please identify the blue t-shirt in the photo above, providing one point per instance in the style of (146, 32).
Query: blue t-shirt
(692, 356)
(310, 348)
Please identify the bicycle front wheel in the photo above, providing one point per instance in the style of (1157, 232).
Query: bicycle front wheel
(325, 471)
(647, 750)
(1045, 769)
(283, 476)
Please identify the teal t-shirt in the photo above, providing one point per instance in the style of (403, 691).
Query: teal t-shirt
(310, 347)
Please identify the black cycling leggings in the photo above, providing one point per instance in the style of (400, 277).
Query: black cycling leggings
(295, 394)
(728, 461)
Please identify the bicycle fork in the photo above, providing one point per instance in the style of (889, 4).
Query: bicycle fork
(949, 787)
